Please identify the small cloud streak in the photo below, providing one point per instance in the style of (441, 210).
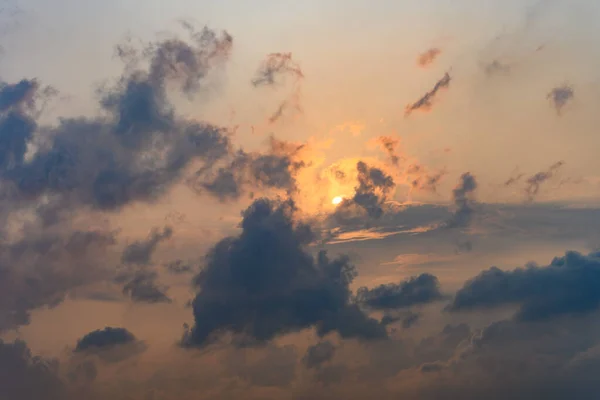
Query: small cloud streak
(427, 58)
(425, 103)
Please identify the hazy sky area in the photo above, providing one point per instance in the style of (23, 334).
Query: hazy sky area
(299, 199)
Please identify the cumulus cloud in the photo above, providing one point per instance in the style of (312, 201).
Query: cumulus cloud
(264, 283)
(425, 103)
(568, 285)
(416, 290)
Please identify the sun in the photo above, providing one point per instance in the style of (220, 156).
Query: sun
(337, 200)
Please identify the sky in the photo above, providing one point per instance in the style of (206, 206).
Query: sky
(299, 200)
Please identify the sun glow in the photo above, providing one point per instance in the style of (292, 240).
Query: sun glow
(337, 200)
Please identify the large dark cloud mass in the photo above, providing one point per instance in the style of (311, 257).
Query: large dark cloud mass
(568, 285)
(137, 151)
(264, 283)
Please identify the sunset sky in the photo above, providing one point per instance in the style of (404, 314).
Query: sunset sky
(299, 199)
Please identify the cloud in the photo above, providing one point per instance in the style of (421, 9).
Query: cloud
(535, 181)
(272, 72)
(568, 285)
(427, 58)
(425, 103)
(416, 290)
(140, 252)
(263, 283)
(275, 169)
(319, 354)
(110, 344)
(135, 153)
(274, 66)
(41, 268)
(374, 187)
(560, 96)
(463, 201)
(27, 377)
(143, 288)
(390, 146)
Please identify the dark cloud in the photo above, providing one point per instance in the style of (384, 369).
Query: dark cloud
(534, 182)
(275, 169)
(428, 57)
(264, 283)
(425, 103)
(142, 287)
(319, 354)
(104, 338)
(568, 285)
(374, 187)
(110, 344)
(463, 201)
(421, 289)
(27, 377)
(560, 96)
(141, 251)
(133, 154)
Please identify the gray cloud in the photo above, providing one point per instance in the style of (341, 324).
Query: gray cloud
(140, 252)
(109, 344)
(276, 65)
(263, 283)
(276, 169)
(27, 377)
(463, 201)
(560, 96)
(534, 182)
(135, 153)
(142, 287)
(40, 269)
(370, 194)
(421, 289)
